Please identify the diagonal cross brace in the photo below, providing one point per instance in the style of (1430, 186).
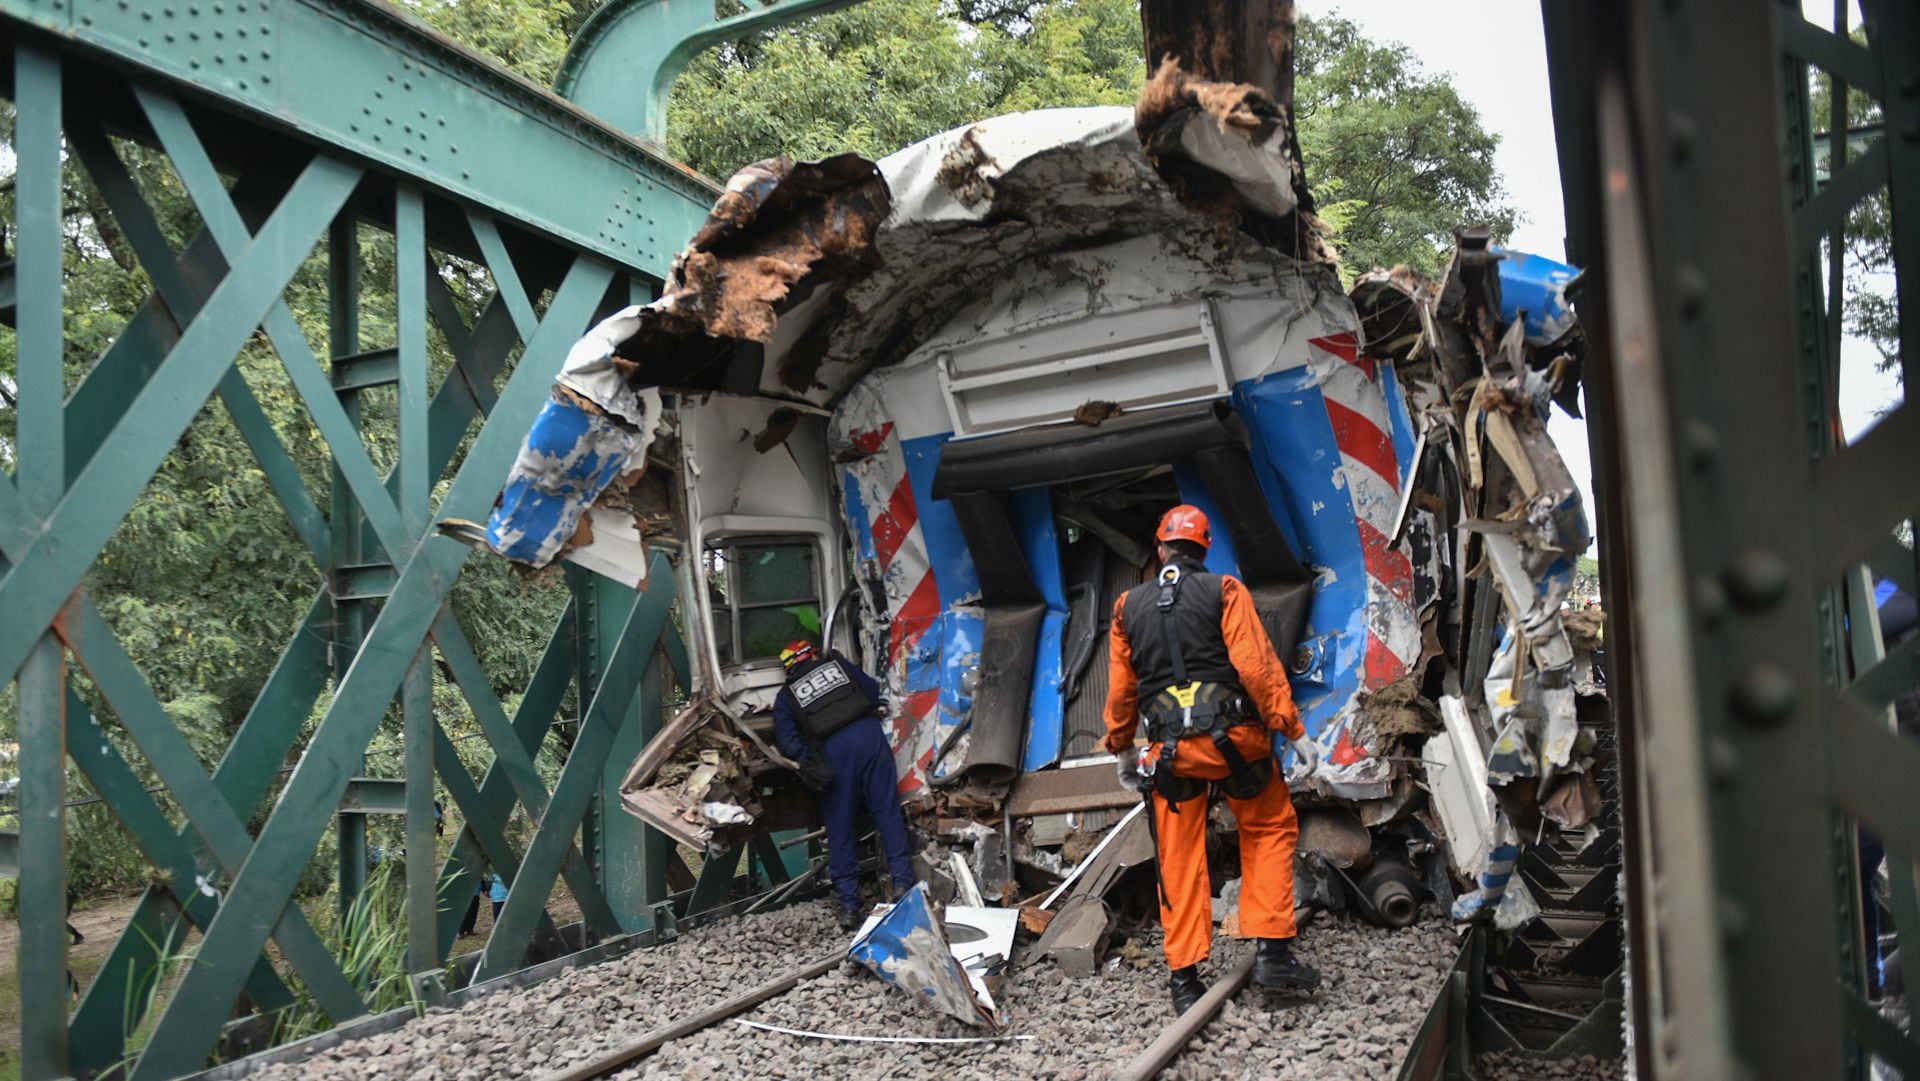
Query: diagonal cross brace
(183, 298)
(59, 555)
(110, 775)
(98, 650)
(551, 677)
(515, 762)
(599, 724)
(216, 207)
(101, 1025)
(182, 1037)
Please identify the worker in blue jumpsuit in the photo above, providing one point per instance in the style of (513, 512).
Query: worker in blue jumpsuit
(830, 711)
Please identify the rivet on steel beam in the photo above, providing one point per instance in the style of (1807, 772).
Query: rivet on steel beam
(194, 64)
(169, 37)
(1757, 579)
(265, 55)
(1703, 446)
(1708, 598)
(1693, 292)
(1733, 919)
(1723, 761)
(193, 9)
(1681, 134)
(1764, 696)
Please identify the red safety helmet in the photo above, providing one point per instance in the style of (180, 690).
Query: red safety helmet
(1185, 522)
(796, 651)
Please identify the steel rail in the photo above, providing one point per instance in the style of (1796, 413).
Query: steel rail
(665, 1034)
(1183, 1028)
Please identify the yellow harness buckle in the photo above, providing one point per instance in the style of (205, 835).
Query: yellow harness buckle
(1184, 694)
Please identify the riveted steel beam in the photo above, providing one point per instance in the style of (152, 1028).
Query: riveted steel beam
(371, 83)
(626, 56)
(183, 1036)
(627, 663)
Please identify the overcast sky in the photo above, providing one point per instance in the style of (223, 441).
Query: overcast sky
(1512, 98)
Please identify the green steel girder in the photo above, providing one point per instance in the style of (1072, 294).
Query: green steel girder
(1744, 518)
(375, 85)
(183, 1037)
(102, 1024)
(631, 655)
(334, 115)
(484, 808)
(622, 64)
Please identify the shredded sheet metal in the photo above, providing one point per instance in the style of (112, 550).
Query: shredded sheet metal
(875, 1039)
(908, 947)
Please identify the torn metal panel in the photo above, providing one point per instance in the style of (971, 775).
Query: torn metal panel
(1497, 894)
(1455, 765)
(908, 946)
(594, 431)
(612, 546)
(1533, 294)
(569, 457)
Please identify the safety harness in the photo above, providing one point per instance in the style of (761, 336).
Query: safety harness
(1190, 715)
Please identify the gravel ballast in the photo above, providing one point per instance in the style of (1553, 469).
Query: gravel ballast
(1377, 987)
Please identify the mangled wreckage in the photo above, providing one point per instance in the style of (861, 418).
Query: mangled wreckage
(930, 408)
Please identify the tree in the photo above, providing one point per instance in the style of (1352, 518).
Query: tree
(888, 73)
(1395, 156)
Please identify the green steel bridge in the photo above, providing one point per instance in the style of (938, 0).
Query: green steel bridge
(1741, 534)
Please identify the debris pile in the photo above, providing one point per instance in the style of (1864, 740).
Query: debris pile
(696, 781)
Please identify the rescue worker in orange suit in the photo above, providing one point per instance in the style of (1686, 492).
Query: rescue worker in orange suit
(1190, 659)
(827, 718)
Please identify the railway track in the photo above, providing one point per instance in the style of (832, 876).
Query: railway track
(769, 995)
(1148, 1063)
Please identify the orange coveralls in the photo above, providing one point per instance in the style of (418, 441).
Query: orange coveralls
(1268, 828)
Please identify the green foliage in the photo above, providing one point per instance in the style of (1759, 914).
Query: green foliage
(887, 73)
(1395, 156)
(1871, 307)
(371, 942)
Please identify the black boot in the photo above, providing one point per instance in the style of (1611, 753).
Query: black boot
(1187, 988)
(851, 919)
(1274, 965)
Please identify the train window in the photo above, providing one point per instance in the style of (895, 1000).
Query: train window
(765, 593)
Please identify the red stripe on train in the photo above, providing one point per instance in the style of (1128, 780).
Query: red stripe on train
(890, 529)
(1364, 441)
(1392, 568)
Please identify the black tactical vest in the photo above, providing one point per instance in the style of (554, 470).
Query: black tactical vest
(829, 697)
(1196, 621)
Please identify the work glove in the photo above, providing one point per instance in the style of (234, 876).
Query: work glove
(1307, 752)
(1128, 768)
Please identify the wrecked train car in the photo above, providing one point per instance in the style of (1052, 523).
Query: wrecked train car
(930, 408)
